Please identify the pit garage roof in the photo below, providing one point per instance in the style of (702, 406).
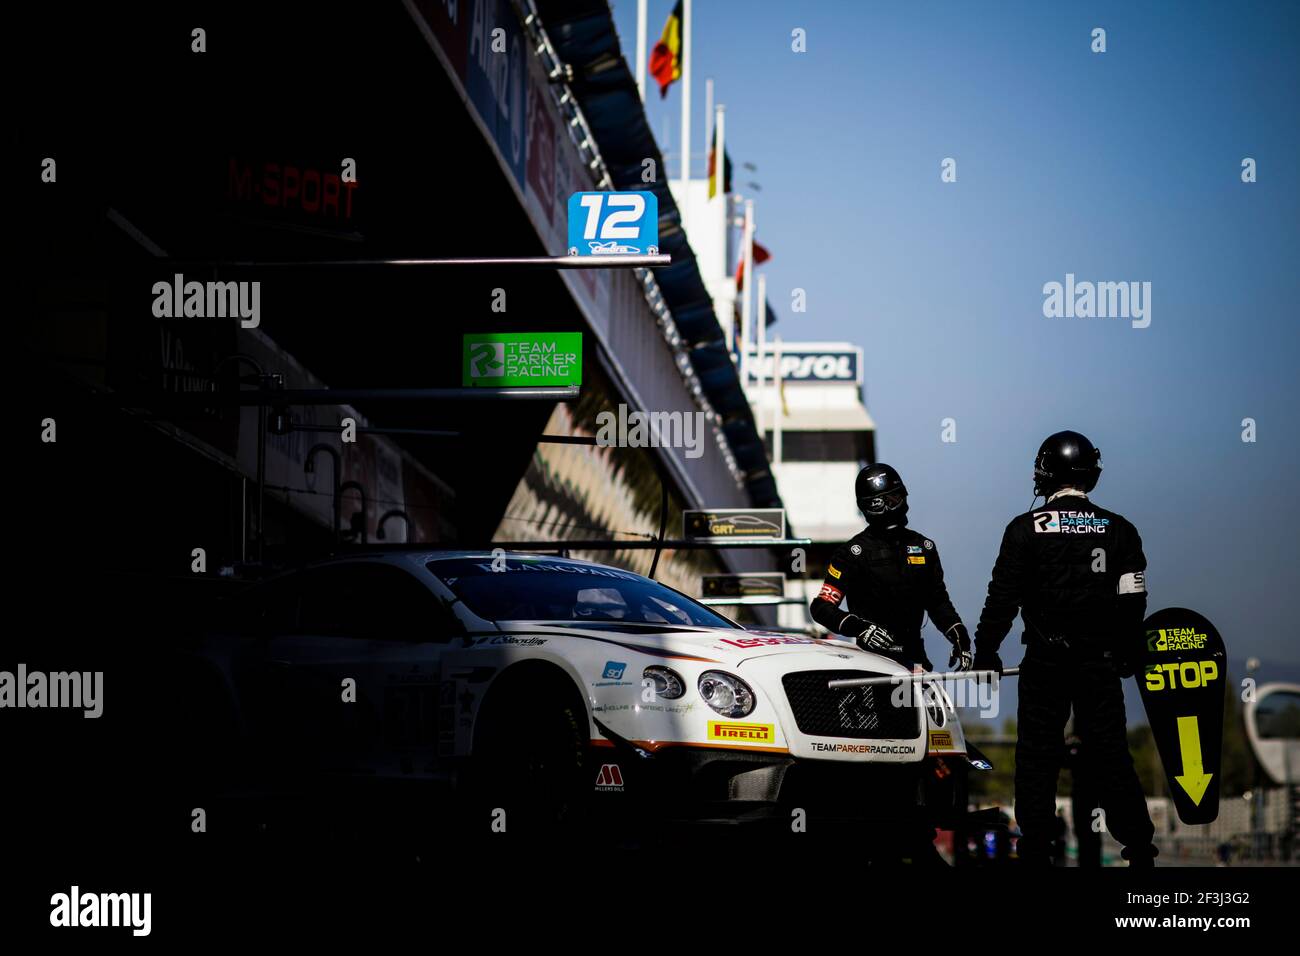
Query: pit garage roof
(583, 35)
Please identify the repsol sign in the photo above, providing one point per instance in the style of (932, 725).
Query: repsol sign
(841, 365)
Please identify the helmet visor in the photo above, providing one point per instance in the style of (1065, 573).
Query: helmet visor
(884, 502)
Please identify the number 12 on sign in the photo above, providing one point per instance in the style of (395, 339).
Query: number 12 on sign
(613, 223)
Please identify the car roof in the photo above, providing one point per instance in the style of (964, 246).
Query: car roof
(421, 558)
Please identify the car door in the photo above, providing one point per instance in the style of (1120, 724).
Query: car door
(360, 673)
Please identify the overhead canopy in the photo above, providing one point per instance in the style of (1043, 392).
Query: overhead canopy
(583, 34)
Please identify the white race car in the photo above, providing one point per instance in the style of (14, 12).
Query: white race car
(546, 685)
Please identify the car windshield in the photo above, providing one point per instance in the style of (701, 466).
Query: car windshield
(538, 589)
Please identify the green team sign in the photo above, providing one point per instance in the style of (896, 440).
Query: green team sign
(510, 359)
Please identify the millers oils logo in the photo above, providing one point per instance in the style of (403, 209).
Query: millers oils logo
(610, 778)
(742, 733)
(1175, 639)
(940, 738)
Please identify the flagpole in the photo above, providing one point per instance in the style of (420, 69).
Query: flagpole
(747, 275)
(747, 332)
(760, 374)
(746, 327)
(640, 47)
(686, 105)
(720, 157)
(708, 109)
(778, 407)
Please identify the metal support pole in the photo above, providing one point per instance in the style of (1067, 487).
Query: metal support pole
(343, 396)
(927, 675)
(778, 404)
(261, 474)
(640, 47)
(629, 261)
(663, 513)
(688, 35)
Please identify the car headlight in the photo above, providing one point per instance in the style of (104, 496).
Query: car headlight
(727, 694)
(668, 684)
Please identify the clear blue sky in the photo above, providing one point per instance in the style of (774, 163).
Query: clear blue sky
(1117, 166)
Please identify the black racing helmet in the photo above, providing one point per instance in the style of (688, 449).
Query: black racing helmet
(881, 493)
(1066, 458)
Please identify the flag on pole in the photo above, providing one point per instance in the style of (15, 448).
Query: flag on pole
(761, 255)
(666, 57)
(713, 166)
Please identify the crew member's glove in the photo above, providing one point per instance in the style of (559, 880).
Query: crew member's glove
(961, 653)
(1125, 662)
(987, 661)
(879, 641)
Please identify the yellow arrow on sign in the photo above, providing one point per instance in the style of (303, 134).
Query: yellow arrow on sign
(1193, 779)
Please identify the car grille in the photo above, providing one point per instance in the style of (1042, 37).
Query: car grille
(859, 712)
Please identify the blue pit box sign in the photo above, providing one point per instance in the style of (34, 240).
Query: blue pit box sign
(614, 224)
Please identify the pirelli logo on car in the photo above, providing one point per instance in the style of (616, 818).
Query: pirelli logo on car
(940, 740)
(737, 733)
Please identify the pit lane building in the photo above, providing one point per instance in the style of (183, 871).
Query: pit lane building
(492, 144)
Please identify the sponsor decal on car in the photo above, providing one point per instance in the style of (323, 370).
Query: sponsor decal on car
(940, 740)
(742, 733)
(667, 708)
(916, 560)
(748, 642)
(1176, 639)
(833, 571)
(612, 675)
(913, 549)
(838, 748)
(510, 639)
(609, 779)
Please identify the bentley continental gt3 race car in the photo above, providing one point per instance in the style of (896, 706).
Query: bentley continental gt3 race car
(552, 687)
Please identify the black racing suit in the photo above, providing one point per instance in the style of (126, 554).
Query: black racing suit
(891, 578)
(1076, 574)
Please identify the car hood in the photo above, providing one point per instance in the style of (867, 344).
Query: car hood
(706, 644)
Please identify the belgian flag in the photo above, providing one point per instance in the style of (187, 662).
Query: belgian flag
(666, 57)
(713, 166)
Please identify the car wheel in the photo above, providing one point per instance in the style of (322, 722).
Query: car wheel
(530, 757)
